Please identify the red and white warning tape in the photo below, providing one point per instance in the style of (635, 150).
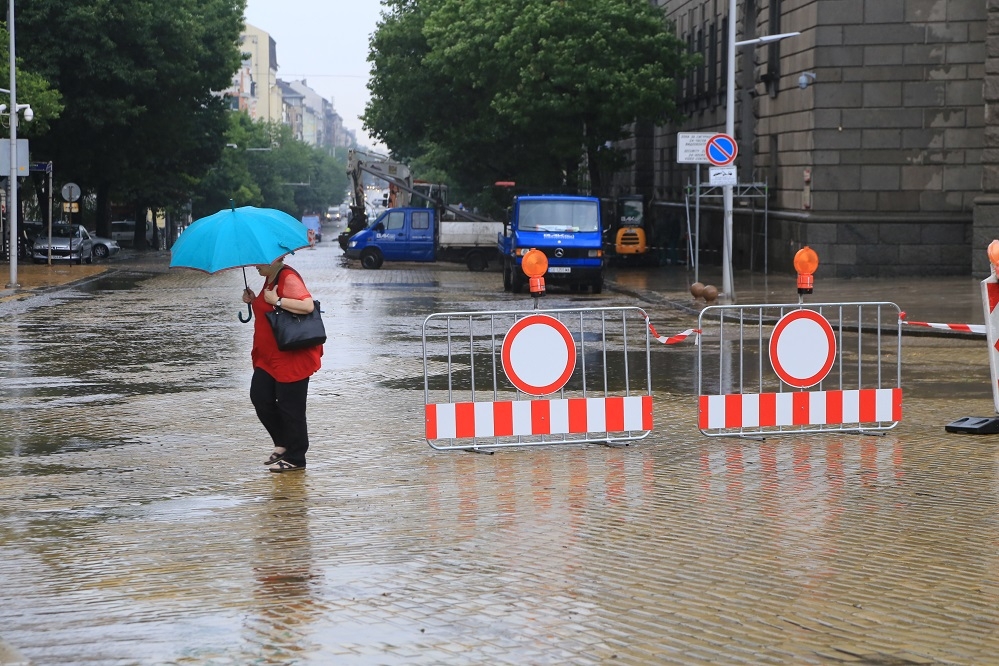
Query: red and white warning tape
(673, 339)
(963, 328)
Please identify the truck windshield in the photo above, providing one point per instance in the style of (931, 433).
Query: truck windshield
(559, 216)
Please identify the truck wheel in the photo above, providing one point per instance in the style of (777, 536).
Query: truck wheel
(371, 258)
(516, 284)
(507, 276)
(598, 286)
(476, 261)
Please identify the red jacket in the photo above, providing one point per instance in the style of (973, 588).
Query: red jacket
(284, 366)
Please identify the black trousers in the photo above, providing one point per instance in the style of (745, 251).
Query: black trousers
(281, 408)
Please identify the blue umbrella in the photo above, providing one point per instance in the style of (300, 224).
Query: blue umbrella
(236, 238)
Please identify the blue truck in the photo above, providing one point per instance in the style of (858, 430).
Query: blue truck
(567, 229)
(418, 234)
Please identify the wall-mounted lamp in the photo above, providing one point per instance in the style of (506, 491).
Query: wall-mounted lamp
(805, 79)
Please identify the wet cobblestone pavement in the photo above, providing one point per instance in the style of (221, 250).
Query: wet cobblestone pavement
(138, 524)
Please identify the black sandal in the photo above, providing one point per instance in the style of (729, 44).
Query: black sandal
(275, 458)
(285, 466)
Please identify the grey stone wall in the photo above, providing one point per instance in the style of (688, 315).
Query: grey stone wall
(986, 212)
(892, 152)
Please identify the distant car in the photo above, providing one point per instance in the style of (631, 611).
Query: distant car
(123, 232)
(69, 242)
(104, 247)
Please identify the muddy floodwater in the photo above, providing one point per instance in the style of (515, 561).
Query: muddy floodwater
(139, 525)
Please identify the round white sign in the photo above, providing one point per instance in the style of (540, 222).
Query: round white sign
(539, 354)
(802, 348)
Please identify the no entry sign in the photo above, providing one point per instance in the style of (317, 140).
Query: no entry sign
(802, 348)
(539, 355)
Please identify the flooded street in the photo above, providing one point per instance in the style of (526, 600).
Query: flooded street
(138, 524)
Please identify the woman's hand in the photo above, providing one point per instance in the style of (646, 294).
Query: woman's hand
(248, 295)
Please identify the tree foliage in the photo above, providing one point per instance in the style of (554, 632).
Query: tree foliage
(32, 88)
(142, 120)
(263, 165)
(524, 90)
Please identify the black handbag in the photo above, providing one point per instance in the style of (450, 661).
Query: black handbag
(297, 331)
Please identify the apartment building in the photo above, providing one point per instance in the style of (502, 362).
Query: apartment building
(258, 91)
(868, 136)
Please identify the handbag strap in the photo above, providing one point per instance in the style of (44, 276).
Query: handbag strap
(277, 278)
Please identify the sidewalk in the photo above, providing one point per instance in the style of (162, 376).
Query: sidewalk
(32, 278)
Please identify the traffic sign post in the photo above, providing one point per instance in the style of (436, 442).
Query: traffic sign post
(690, 147)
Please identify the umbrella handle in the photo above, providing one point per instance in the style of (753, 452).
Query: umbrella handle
(249, 308)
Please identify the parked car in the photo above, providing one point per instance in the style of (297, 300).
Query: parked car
(69, 242)
(104, 247)
(123, 232)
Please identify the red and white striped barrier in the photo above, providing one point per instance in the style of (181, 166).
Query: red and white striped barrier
(673, 339)
(990, 300)
(963, 328)
(538, 417)
(802, 408)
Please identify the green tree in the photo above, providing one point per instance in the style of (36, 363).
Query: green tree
(263, 165)
(524, 90)
(142, 120)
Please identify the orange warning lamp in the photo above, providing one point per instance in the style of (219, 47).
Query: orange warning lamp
(535, 265)
(994, 256)
(805, 262)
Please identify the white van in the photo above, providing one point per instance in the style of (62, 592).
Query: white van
(123, 231)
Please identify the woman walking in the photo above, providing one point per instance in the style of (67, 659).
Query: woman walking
(280, 383)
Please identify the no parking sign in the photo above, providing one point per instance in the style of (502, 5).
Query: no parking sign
(721, 150)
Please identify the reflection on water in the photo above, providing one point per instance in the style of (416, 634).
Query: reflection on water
(287, 582)
(800, 487)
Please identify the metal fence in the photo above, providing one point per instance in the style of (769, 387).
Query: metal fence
(472, 403)
(744, 390)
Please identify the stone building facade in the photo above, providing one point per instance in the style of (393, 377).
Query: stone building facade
(886, 162)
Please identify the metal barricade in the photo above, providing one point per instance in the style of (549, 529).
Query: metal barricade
(799, 368)
(475, 400)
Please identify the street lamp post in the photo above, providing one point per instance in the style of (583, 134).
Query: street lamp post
(14, 109)
(727, 194)
(12, 204)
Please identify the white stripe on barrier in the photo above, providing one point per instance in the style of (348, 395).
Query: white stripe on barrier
(521, 417)
(596, 417)
(484, 416)
(447, 420)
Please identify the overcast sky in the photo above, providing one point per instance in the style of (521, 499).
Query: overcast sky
(324, 42)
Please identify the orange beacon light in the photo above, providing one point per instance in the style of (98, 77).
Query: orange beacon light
(535, 265)
(994, 255)
(805, 262)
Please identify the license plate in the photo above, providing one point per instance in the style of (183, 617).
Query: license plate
(559, 269)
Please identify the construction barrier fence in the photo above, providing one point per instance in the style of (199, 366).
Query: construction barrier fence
(536, 377)
(797, 368)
